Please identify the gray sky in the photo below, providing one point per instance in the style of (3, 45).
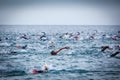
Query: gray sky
(59, 12)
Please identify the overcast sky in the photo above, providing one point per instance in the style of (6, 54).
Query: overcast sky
(59, 12)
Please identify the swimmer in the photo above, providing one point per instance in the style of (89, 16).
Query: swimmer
(51, 44)
(103, 48)
(66, 36)
(103, 36)
(57, 51)
(117, 47)
(43, 38)
(22, 47)
(91, 37)
(78, 33)
(118, 35)
(43, 33)
(114, 38)
(6, 38)
(35, 71)
(76, 37)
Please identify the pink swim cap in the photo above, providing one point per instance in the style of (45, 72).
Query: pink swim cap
(34, 71)
(17, 46)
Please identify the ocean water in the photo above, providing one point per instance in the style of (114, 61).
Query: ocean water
(83, 61)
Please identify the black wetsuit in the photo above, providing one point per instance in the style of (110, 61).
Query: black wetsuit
(112, 55)
(23, 47)
(40, 71)
(104, 48)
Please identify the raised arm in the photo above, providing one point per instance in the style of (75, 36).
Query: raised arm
(103, 48)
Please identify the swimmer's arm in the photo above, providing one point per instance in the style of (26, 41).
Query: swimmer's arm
(112, 55)
(61, 49)
(103, 48)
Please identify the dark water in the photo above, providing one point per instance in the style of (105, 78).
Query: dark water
(83, 61)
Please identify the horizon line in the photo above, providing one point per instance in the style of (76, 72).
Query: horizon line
(57, 25)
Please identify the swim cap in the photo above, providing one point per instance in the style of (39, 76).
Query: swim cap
(34, 71)
(17, 46)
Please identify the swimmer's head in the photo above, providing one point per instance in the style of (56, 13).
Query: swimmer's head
(17, 46)
(110, 48)
(78, 33)
(45, 68)
(117, 46)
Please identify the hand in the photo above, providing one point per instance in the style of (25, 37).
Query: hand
(67, 47)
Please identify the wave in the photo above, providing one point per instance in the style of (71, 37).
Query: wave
(4, 73)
